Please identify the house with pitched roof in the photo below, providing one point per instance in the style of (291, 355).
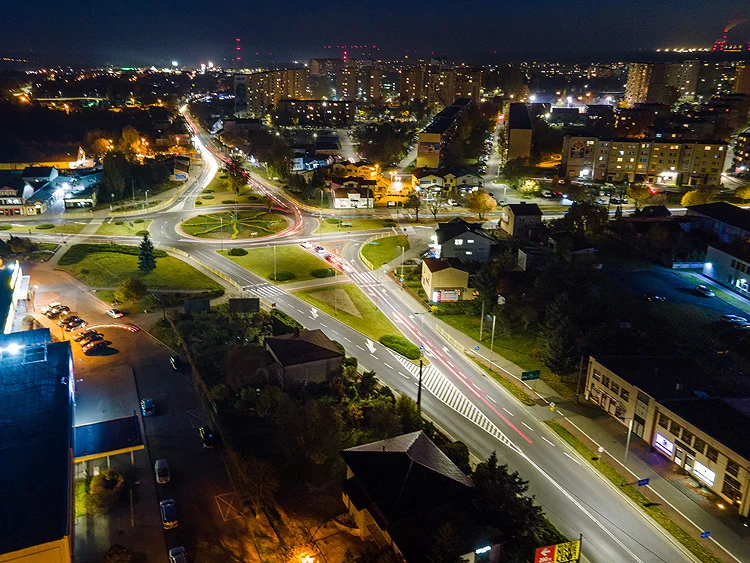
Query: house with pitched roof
(460, 239)
(304, 356)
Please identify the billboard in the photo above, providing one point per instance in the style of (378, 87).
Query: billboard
(197, 305)
(428, 148)
(445, 295)
(577, 149)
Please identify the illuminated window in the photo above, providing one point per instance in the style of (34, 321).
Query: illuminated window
(458, 241)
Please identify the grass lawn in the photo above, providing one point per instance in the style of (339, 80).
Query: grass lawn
(227, 225)
(81, 492)
(292, 258)
(385, 250)
(331, 225)
(369, 320)
(106, 267)
(125, 228)
(65, 228)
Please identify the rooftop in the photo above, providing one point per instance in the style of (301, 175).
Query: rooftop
(37, 171)
(518, 117)
(307, 346)
(455, 227)
(723, 212)
(519, 209)
(35, 464)
(439, 264)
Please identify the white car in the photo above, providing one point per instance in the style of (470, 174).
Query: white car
(53, 305)
(115, 313)
(306, 244)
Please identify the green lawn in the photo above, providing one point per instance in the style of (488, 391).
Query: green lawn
(105, 268)
(290, 258)
(125, 228)
(226, 225)
(65, 228)
(371, 322)
(331, 225)
(383, 250)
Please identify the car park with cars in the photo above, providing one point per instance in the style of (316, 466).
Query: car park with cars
(704, 291)
(177, 555)
(83, 335)
(94, 346)
(96, 337)
(161, 470)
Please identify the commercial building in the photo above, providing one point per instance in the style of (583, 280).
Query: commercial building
(352, 193)
(690, 163)
(721, 220)
(518, 219)
(729, 265)
(316, 113)
(742, 151)
(59, 156)
(661, 401)
(14, 289)
(360, 169)
(435, 138)
(468, 242)
(36, 460)
(14, 191)
(264, 90)
(304, 356)
(519, 132)
(445, 280)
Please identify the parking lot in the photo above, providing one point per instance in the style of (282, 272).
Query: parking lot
(111, 383)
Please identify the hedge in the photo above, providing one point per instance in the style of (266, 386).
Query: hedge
(281, 276)
(207, 197)
(237, 252)
(45, 226)
(142, 233)
(6, 227)
(323, 273)
(119, 222)
(139, 220)
(198, 202)
(208, 191)
(228, 201)
(78, 252)
(401, 345)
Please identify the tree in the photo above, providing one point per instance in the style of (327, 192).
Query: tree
(639, 193)
(118, 554)
(743, 193)
(530, 188)
(481, 203)
(693, 197)
(21, 245)
(130, 142)
(408, 413)
(445, 546)
(130, 289)
(367, 384)
(458, 453)
(146, 258)
(560, 344)
(115, 172)
(262, 483)
(587, 218)
(437, 202)
(414, 202)
(105, 490)
(236, 173)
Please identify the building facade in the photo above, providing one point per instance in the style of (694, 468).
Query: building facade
(316, 113)
(729, 265)
(266, 89)
(436, 137)
(518, 219)
(445, 280)
(465, 241)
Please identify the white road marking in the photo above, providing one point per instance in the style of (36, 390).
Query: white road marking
(324, 326)
(360, 347)
(510, 413)
(571, 457)
(404, 375)
(546, 440)
(374, 356)
(490, 398)
(345, 338)
(527, 426)
(387, 365)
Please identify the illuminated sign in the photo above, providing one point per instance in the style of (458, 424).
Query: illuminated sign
(664, 445)
(484, 549)
(703, 473)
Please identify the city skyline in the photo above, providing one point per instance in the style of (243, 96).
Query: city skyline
(191, 33)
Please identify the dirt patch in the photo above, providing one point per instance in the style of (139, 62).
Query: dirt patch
(338, 298)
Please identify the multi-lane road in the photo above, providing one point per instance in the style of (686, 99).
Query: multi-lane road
(457, 395)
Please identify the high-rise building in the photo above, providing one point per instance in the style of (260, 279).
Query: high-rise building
(469, 84)
(742, 79)
(441, 89)
(326, 67)
(265, 89)
(742, 151)
(412, 88)
(661, 83)
(348, 82)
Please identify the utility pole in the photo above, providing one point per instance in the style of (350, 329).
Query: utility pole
(419, 389)
(221, 232)
(492, 341)
(336, 294)
(481, 322)
(274, 263)
(578, 383)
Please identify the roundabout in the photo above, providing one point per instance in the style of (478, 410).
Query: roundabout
(246, 224)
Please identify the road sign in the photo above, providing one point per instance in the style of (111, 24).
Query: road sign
(561, 553)
(476, 348)
(402, 279)
(529, 375)
(643, 482)
(705, 534)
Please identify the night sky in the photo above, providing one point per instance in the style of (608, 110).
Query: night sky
(192, 31)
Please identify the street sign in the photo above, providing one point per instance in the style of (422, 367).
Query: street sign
(705, 534)
(402, 279)
(643, 482)
(561, 553)
(476, 348)
(529, 375)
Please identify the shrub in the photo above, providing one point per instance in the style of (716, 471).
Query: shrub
(198, 203)
(130, 289)
(119, 222)
(78, 252)
(105, 490)
(389, 223)
(139, 221)
(207, 197)
(228, 201)
(5, 227)
(208, 191)
(281, 276)
(45, 226)
(323, 273)
(141, 233)
(223, 176)
(401, 345)
(237, 252)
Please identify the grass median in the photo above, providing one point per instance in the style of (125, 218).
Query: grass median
(290, 259)
(383, 250)
(124, 228)
(48, 228)
(227, 225)
(693, 544)
(334, 225)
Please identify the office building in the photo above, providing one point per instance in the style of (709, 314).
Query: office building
(685, 163)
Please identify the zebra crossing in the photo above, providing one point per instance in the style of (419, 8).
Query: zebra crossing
(264, 290)
(446, 392)
(364, 278)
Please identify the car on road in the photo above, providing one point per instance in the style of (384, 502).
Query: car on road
(161, 469)
(320, 250)
(177, 363)
(83, 335)
(306, 244)
(115, 313)
(704, 291)
(618, 200)
(94, 346)
(168, 510)
(96, 337)
(654, 297)
(207, 437)
(177, 555)
(733, 319)
(147, 407)
(67, 320)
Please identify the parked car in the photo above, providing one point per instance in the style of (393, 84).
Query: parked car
(168, 510)
(147, 407)
(177, 363)
(207, 437)
(96, 337)
(68, 319)
(306, 244)
(83, 335)
(47, 308)
(320, 250)
(115, 313)
(733, 319)
(72, 325)
(93, 346)
(177, 555)
(704, 291)
(653, 297)
(618, 200)
(161, 469)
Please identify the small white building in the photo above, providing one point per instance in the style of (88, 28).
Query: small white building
(353, 198)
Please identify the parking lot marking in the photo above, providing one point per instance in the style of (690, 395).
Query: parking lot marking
(228, 506)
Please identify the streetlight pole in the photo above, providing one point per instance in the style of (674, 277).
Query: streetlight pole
(274, 263)
(403, 248)
(481, 322)
(419, 389)
(627, 445)
(221, 232)
(492, 341)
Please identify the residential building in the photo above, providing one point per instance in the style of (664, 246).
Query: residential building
(436, 137)
(304, 356)
(519, 219)
(326, 67)
(14, 191)
(572, 248)
(401, 491)
(742, 79)
(352, 193)
(316, 113)
(59, 156)
(468, 242)
(729, 265)
(661, 82)
(360, 169)
(446, 279)
(519, 132)
(266, 89)
(662, 401)
(448, 179)
(724, 221)
(14, 290)
(413, 84)
(742, 151)
(38, 387)
(691, 163)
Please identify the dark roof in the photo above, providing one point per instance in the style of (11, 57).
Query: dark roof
(439, 264)
(719, 418)
(36, 171)
(307, 346)
(35, 388)
(518, 117)
(343, 193)
(655, 211)
(519, 209)
(740, 250)
(12, 181)
(723, 212)
(403, 476)
(455, 227)
(107, 436)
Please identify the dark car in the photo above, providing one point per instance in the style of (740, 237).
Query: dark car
(94, 346)
(84, 335)
(168, 510)
(72, 325)
(653, 297)
(207, 437)
(96, 337)
(177, 363)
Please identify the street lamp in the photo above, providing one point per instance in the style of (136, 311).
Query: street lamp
(403, 248)
(492, 340)
(221, 232)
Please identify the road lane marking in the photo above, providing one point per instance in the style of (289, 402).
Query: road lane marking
(527, 426)
(324, 326)
(571, 457)
(388, 365)
(360, 347)
(404, 375)
(510, 413)
(345, 338)
(490, 398)
(374, 356)
(546, 440)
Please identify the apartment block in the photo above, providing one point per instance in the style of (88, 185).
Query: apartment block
(266, 89)
(413, 84)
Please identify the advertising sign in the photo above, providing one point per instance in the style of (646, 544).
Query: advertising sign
(428, 148)
(445, 296)
(577, 149)
(664, 445)
(568, 552)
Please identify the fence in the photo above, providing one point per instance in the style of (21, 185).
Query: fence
(452, 341)
(365, 261)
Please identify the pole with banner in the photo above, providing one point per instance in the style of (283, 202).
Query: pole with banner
(568, 552)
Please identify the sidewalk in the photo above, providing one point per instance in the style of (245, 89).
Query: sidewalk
(694, 508)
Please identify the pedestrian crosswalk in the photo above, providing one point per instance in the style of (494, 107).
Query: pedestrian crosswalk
(264, 290)
(364, 278)
(446, 392)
